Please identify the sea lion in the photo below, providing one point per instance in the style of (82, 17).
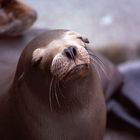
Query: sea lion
(16, 17)
(57, 91)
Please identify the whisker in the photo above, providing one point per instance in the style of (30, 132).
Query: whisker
(99, 62)
(97, 58)
(100, 66)
(96, 67)
(56, 95)
(50, 94)
(60, 91)
(92, 54)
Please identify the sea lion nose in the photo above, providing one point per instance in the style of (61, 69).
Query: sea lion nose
(71, 52)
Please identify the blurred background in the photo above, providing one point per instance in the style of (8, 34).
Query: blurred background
(112, 26)
(102, 21)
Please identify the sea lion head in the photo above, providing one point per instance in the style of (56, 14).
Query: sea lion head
(60, 53)
(67, 56)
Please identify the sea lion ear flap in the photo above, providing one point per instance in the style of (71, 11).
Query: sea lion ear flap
(85, 40)
(37, 56)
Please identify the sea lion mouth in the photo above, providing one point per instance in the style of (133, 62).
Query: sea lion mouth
(78, 71)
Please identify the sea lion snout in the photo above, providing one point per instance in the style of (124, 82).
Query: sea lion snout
(70, 58)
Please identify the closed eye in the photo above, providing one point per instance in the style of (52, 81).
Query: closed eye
(37, 62)
(85, 40)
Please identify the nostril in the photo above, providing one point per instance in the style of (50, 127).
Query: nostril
(74, 51)
(71, 52)
(68, 53)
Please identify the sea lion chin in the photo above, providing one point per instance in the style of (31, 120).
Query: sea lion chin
(79, 71)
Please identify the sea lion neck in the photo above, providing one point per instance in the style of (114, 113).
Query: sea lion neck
(59, 96)
(76, 98)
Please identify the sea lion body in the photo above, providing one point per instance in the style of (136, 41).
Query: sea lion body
(77, 111)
